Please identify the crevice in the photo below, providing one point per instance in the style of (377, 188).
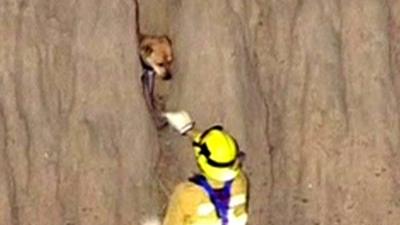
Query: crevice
(119, 199)
(342, 79)
(9, 173)
(18, 87)
(42, 78)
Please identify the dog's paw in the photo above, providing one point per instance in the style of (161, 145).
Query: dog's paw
(151, 221)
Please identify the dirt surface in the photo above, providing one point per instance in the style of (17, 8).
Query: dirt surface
(310, 89)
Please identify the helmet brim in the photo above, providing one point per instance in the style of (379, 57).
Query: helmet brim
(218, 173)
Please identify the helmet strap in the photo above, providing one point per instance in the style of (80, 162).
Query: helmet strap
(206, 153)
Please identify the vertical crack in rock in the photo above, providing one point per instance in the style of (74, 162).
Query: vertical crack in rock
(342, 79)
(119, 184)
(9, 173)
(18, 87)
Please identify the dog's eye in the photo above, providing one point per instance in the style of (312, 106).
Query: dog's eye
(160, 64)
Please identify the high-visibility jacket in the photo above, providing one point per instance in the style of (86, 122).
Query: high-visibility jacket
(190, 204)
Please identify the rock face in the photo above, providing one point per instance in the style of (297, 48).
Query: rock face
(311, 90)
(76, 141)
(331, 82)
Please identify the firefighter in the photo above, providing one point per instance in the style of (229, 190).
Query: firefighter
(218, 194)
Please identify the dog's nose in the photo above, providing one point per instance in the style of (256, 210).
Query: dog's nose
(168, 76)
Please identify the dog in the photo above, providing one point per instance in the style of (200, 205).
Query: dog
(156, 57)
(156, 54)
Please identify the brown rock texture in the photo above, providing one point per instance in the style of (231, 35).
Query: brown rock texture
(76, 141)
(332, 87)
(310, 88)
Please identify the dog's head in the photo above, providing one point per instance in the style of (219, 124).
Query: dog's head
(156, 52)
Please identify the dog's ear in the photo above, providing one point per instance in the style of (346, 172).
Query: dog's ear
(146, 49)
(166, 38)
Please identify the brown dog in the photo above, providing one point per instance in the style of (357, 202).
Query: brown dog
(156, 54)
(156, 57)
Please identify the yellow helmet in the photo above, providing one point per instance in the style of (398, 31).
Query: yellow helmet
(216, 154)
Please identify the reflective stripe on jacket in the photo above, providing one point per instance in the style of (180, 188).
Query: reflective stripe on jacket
(190, 204)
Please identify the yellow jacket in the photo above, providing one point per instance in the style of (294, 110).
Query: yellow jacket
(190, 204)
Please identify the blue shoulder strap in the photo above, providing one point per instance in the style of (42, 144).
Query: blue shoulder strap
(220, 197)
